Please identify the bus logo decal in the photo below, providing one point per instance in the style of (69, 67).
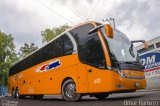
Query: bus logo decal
(43, 67)
(51, 65)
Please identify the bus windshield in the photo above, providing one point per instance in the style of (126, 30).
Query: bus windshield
(120, 47)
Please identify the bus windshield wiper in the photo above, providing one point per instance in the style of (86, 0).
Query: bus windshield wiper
(132, 62)
(129, 62)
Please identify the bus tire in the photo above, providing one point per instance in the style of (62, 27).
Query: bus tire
(17, 95)
(69, 91)
(13, 94)
(101, 96)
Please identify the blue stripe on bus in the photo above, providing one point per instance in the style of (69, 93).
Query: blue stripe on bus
(53, 65)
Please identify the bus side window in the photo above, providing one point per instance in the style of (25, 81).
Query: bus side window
(80, 34)
(68, 46)
(59, 47)
(37, 57)
(48, 52)
(95, 54)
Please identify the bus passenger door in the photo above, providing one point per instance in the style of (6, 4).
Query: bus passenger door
(95, 67)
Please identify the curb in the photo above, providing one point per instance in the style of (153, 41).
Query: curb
(148, 90)
(1, 96)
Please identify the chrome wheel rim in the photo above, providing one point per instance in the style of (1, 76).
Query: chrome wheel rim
(70, 90)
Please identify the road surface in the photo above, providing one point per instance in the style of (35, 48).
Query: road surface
(122, 99)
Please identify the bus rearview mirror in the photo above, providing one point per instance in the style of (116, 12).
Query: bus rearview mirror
(107, 27)
(142, 41)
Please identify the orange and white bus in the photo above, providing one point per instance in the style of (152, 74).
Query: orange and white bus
(89, 59)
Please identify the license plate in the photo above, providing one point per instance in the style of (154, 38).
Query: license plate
(137, 84)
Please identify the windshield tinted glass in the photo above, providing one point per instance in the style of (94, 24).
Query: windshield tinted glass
(120, 45)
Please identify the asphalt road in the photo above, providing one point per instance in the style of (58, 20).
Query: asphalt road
(123, 99)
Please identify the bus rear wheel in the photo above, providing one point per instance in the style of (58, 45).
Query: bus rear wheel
(13, 94)
(17, 95)
(101, 96)
(69, 91)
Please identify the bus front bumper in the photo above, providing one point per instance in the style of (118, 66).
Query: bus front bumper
(127, 84)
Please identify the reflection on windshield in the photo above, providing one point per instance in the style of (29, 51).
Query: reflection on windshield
(120, 45)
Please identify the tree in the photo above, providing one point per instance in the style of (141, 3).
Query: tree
(49, 34)
(7, 55)
(26, 49)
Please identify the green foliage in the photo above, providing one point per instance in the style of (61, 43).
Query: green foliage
(49, 34)
(7, 54)
(26, 49)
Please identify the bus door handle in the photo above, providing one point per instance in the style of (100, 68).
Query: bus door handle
(90, 70)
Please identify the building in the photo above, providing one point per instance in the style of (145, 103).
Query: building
(150, 59)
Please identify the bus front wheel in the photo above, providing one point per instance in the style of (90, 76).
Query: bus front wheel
(69, 91)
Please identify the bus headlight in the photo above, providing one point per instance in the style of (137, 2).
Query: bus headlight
(121, 72)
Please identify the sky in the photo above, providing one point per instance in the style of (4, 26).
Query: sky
(25, 19)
